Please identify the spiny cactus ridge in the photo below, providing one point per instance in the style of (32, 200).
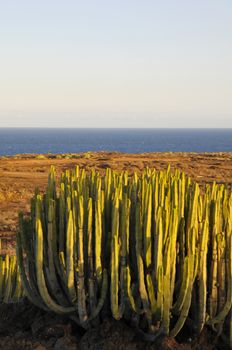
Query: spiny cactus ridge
(151, 248)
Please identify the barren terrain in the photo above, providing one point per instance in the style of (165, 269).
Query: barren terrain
(25, 327)
(19, 175)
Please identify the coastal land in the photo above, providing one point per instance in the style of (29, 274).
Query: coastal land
(21, 174)
(22, 325)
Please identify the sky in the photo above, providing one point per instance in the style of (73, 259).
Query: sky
(124, 63)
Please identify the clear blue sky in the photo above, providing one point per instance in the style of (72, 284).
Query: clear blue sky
(124, 63)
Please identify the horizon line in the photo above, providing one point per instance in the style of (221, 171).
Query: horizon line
(114, 128)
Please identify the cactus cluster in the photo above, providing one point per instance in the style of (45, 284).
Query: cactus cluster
(10, 284)
(151, 248)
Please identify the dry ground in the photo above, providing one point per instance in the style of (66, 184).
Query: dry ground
(19, 175)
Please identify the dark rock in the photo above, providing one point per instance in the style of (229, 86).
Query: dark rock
(40, 347)
(168, 343)
(66, 343)
(111, 335)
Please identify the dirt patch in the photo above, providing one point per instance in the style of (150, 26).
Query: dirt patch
(19, 175)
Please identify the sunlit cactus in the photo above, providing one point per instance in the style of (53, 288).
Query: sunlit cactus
(152, 248)
(10, 284)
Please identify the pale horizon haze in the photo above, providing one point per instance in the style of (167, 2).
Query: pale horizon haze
(141, 64)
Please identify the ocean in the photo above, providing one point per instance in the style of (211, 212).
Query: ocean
(37, 140)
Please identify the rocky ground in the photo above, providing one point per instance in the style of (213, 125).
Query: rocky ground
(22, 326)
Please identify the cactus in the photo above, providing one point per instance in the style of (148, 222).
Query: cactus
(10, 284)
(153, 243)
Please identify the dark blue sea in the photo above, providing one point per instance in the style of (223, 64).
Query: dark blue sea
(34, 140)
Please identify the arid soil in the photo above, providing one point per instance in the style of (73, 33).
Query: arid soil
(24, 327)
(19, 175)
